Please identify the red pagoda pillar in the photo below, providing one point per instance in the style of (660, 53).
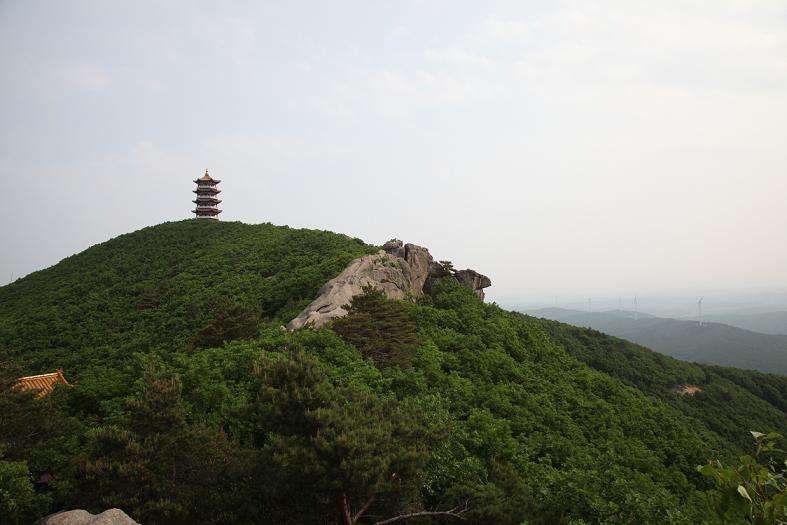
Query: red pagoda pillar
(207, 201)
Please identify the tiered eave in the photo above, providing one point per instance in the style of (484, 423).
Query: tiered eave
(206, 201)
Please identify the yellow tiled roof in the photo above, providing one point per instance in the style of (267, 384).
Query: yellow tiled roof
(207, 178)
(44, 383)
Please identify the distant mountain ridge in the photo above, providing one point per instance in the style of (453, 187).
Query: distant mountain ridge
(774, 323)
(712, 343)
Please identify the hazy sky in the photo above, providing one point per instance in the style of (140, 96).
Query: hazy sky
(559, 147)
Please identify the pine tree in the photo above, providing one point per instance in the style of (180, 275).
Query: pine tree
(159, 467)
(230, 322)
(381, 329)
(338, 447)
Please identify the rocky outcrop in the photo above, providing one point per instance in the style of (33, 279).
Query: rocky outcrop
(394, 247)
(384, 271)
(400, 270)
(83, 517)
(420, 261)
(474, 281)
(417, 258)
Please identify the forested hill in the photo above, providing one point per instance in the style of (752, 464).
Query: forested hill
(157, 287)
(728, 398)
(712, 343)
(191, 404)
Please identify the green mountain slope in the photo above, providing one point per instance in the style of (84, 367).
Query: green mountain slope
(729, 399)
(712, 343)
(159, 286)
(515, 418)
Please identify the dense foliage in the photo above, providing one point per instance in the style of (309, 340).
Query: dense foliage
(729, 400)
(19, 501)
(162, 286)
(381, 330)
(757, 486)
(190, 404)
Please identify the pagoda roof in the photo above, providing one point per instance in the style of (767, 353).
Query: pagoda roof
(44, 384)
(207, 178)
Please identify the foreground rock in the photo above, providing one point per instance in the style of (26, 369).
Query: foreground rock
(83, 517)
(401, 271)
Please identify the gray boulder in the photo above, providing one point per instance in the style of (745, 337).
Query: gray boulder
(420, 261)
(399, 270)
(383, 271)
(394, 247)
(474, 281)
(83, 517)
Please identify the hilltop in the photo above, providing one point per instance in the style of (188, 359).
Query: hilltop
(157, 287)
(191, 403)
(712, 343)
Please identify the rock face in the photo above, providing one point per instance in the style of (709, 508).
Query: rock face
(384, 271)
(83, 517)
(400, 270)
(417, 258)
(420, 261)
(474, 280)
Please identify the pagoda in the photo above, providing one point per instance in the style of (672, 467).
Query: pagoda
(207, 197)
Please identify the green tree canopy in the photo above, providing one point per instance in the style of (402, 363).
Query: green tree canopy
(379, 328)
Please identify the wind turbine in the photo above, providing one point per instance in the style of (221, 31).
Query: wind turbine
(635, 307)
(699, 310)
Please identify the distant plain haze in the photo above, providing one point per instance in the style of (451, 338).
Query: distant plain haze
(562, 148)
